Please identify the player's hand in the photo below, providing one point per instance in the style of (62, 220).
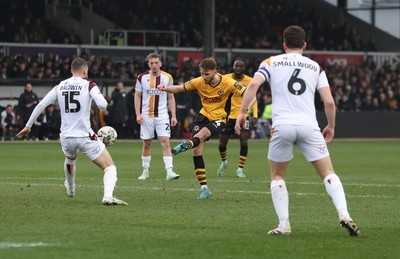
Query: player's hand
(23, 132)
(240, 123)
(174, 121)
(328, 133)
(139, 119)
(161, 87)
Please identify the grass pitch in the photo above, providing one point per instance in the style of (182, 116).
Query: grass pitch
(164, 219)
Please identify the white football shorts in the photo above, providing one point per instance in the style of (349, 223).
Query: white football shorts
(91, 148)
(151, 125)
(309, 140)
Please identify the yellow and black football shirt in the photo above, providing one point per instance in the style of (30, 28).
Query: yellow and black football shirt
(237, 99)
(213, 98)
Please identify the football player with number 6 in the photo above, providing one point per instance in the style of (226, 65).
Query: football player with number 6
(75, 95)
(294, 80)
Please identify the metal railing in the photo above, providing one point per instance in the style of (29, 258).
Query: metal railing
(140, 38)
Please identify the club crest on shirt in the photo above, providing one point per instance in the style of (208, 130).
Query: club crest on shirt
(221, 92)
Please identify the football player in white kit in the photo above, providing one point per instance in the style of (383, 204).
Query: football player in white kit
(294, 79)
(153, 117)
(74, 96)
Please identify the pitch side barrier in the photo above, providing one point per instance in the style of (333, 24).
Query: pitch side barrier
(349, 124)
(364, 124)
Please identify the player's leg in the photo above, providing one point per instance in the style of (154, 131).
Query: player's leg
(312, 144)
(163, 130)
(243, 137)
(146, 159)
(96, 151)
(70, 171)
(146, 134)
(70, 149)
(223, 141)
(200, 171)
(280, 152)
(199, 133)
(167, 158)
(280, 197)
(335, 190)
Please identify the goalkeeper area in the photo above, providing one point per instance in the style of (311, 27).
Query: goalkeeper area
(164, 219)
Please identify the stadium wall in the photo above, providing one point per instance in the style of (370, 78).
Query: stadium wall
(364, 124)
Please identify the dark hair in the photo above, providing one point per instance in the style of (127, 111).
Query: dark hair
(208, 64)
(294, 36)
(153, 55)
(78, 64)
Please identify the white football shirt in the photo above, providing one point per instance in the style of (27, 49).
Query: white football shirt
(74, 96)
(293, 79)
(154, 101)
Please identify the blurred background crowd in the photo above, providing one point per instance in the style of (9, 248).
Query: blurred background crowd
(357, 88)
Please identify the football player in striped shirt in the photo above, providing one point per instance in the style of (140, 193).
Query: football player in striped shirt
(153, 115)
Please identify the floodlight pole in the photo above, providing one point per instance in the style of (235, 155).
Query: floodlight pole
(209, 27)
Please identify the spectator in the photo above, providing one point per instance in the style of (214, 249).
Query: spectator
(22, 71)
(132, 127)
(3, 73)
(27, 102)
(8, 123)
(53, 117)
(119, 110)
(39, 127)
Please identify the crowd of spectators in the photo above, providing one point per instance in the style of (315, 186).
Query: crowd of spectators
(233, 21)
(26, 22)
(362, 87)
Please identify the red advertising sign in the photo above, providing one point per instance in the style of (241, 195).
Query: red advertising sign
(339, 59)
(184, 56)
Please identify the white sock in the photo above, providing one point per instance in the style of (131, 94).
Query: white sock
(168, 164)
(70, 170)
(146, 163)
(109, 180)
(335, 190)
(280, 198)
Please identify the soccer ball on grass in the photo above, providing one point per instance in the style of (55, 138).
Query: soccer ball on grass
(108, 135)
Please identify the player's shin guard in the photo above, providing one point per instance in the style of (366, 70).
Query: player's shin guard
(222, 152)
(70, 170)
(335, 190)
(194, 142)
(109, 180)
(280, 198)
(243, 155)
(200, 170)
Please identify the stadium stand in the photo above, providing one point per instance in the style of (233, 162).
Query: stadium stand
(356, 87)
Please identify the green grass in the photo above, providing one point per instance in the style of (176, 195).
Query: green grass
(164, 219)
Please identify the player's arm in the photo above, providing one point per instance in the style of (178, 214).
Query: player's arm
(248, 99)
(137, 102)
(98, 98)
(330, 112)
(172, 108)
(171, 89)
(50, 98)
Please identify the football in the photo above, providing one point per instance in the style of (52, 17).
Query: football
(108, 135)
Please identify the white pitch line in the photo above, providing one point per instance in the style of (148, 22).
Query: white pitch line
(19, 245)
(193, 190)
(226, 181)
